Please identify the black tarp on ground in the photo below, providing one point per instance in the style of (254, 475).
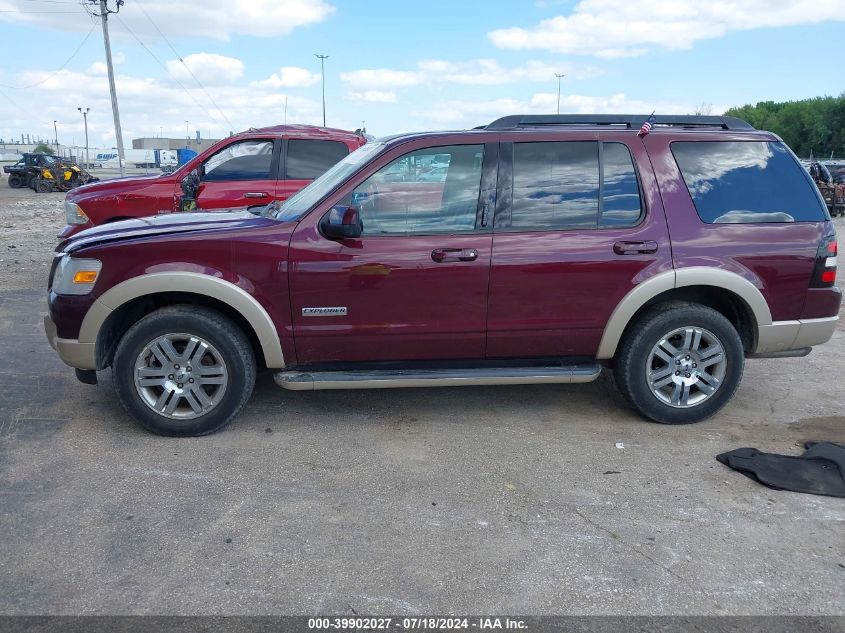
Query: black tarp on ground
(819, 471)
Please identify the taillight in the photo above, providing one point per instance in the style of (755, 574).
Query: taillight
(824, 273)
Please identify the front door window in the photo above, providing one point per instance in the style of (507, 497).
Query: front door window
(426, 192)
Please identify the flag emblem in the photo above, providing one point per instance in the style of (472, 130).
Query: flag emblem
(646, 128)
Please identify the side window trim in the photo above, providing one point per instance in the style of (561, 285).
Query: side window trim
(487, 196)
(601, 183)
(504, 188)
(274, 164)
(281, 165)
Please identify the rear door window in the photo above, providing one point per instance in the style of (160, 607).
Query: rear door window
(555, 185)
(307, 160)
(564, 185)
(738, 182)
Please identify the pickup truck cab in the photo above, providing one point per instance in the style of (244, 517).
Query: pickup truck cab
(250, 168)
(552, 247)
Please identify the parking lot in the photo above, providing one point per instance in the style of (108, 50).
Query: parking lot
(524, 499)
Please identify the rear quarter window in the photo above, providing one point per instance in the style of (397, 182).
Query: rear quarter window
(739, 182)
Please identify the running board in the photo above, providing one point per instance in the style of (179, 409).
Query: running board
(388, 379)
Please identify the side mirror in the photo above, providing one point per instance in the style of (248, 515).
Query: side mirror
(342, 222)
(190, 183)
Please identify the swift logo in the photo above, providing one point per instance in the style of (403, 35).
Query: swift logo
(317, 312)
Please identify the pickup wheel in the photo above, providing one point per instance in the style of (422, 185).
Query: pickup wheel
(184, 371)
(679, 363)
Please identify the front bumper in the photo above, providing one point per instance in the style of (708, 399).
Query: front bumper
(71, 351)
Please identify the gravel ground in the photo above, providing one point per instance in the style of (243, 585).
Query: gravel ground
(488, 499)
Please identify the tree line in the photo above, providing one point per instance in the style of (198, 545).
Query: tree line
(814, 126)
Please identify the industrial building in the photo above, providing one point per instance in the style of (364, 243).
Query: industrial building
(157, 142)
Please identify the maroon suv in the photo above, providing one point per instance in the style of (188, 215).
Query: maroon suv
(538, 249)
(245, 169)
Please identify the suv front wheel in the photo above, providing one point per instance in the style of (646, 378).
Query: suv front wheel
(679, 363)
(184, 371)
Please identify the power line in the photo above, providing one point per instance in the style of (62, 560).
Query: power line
(190, 72)
(167, 70)
(61, 68)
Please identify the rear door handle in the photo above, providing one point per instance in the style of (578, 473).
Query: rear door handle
(635, 248)
(441, 255)
(256, 194)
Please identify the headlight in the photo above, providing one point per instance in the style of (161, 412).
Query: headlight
(76, 276)
(74, 213)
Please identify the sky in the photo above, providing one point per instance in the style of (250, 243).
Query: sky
(393, 66)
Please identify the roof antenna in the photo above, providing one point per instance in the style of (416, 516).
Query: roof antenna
(286, 109)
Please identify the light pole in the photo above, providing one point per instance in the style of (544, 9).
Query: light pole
(56, 137)
(323, 59)
(559, 77)
(187, 135)
(85, 116)
(118, 133)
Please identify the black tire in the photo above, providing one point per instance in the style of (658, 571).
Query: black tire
(228, 341)
(633, 362)
(42, 186)
(16, 181)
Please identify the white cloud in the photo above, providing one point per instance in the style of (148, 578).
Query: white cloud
(372, 96)
(471, 73)
(609, 28)
(381, 78)
(216, 19)
(208, 68)
(98, 68)
(289, 77)
(490, 72)
(148, 107)
(465, 113)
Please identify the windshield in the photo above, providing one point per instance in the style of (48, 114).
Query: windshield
(299, 203)
(838, 172)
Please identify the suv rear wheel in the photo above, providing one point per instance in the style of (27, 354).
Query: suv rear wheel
(184, 371)
(679, 363)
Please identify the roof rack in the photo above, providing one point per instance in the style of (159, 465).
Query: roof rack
(629, 121)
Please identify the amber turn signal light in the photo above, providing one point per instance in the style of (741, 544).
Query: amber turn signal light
(85, 277)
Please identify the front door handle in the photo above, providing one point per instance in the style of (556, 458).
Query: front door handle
(635, 248)
(256, 194)
(441, 255)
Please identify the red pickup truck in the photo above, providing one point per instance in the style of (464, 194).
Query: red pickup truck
(249, 168)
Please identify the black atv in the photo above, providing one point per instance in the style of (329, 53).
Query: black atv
(27, 169)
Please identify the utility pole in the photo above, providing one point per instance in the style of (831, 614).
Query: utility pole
(559, 77)
(56, 137)
(85, 116)
(104, 18)
(323, 59)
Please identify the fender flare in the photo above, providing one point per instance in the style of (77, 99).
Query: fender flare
(644, 292)
(197, 283)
